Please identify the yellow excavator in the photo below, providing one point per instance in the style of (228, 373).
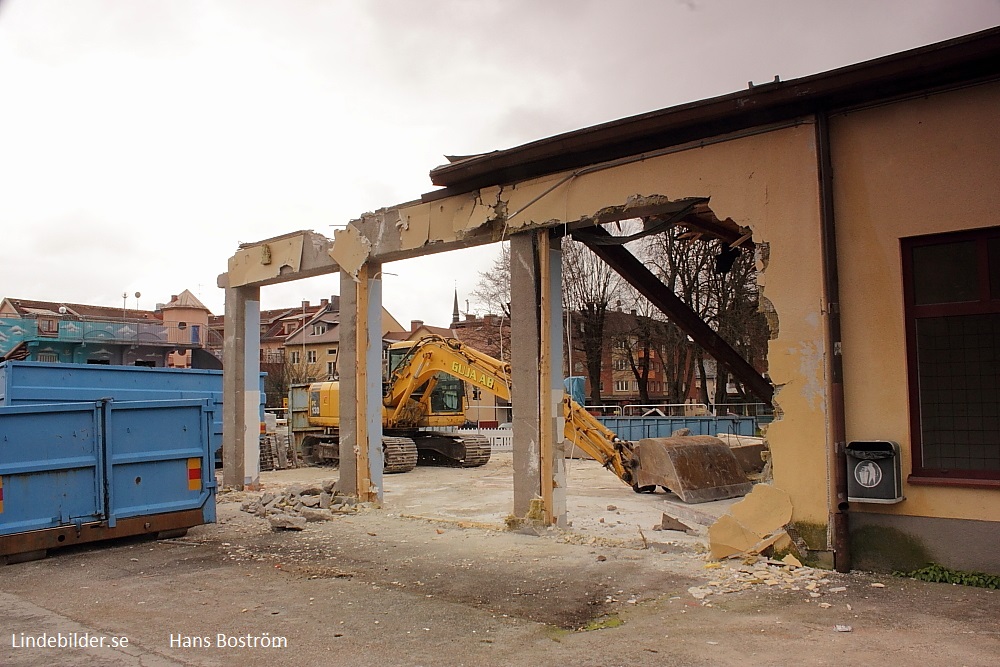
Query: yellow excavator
(424, 389)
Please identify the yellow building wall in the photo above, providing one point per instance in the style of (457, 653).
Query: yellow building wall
(766, 181)
(921, 166)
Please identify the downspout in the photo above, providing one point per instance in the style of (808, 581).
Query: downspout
(835, 367)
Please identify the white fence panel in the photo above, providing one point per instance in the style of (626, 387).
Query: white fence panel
(501, 439)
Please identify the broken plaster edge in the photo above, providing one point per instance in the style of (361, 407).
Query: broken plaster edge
(350, 250)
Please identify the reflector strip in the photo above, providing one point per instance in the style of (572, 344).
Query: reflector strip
(194, 474)
(1, 495)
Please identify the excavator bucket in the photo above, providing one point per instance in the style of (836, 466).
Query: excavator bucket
(697, 468)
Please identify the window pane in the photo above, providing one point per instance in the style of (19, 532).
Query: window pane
(958, 366)
(945, 273)
(994, 251)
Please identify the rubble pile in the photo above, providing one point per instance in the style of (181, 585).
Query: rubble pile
(813, 584)
(292, 508)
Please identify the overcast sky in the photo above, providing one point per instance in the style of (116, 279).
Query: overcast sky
(142, 140)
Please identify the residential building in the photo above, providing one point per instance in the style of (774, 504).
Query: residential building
(173, 335)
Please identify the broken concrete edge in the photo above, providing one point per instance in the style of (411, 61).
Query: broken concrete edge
(408, 229)
(350, 250)
(755, 525)
(534, 518)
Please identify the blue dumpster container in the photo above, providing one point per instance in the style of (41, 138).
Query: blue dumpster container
(79, 472)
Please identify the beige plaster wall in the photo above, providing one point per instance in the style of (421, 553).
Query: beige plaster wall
(916, 167)
(196, 316)
(766, 181)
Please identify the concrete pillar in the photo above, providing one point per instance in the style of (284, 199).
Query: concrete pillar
(553, 459)
(536, 360)
(347, 356)
(241, 389)
(361, 393)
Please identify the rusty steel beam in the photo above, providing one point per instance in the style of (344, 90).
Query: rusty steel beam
(635, 272)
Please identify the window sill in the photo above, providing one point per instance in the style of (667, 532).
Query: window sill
(963, 482)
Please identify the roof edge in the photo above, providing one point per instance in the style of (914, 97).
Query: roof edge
(952, 62)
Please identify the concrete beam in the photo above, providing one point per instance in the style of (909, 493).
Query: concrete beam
(302, 254)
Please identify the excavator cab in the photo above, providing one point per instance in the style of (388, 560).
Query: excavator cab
(445, 403)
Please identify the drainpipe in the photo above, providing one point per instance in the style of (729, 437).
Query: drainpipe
(831, 287)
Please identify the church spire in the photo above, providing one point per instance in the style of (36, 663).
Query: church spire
(454, 313)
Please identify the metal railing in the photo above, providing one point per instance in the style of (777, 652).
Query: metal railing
(760, 410)
(136, 332)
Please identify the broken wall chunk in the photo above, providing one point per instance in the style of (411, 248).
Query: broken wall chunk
(753, 524)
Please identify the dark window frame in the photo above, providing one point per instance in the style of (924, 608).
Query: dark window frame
(48, 326)
(987, 304)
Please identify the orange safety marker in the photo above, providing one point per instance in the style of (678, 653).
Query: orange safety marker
(194, 474)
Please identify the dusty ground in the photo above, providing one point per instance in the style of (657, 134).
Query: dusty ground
(432, 579)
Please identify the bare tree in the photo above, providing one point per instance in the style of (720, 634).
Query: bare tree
(683, 267)
(281, 375)
(737, 319)
(493, 289)
(589, 288)
(726, 299)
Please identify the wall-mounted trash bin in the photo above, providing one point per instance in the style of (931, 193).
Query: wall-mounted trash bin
(873, 472)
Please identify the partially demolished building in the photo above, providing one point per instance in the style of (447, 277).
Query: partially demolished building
(869, 197)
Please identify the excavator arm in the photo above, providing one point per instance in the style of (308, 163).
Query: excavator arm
(597, 440)
(434, 354)
(696, 468)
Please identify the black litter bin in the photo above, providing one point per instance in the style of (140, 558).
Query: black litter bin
(873, 472)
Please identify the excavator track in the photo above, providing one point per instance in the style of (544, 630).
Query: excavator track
(453, 450)
(400, 454)
(477, 451)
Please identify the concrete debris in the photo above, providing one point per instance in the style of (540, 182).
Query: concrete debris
(699, 593)
(843, 628)
(291, 509)
(789, 559)
(312, 515)
(753, 525)
(286, 522)
(761, 573)
(668, 522)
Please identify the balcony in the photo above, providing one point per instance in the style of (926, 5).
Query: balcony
(120, 332)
